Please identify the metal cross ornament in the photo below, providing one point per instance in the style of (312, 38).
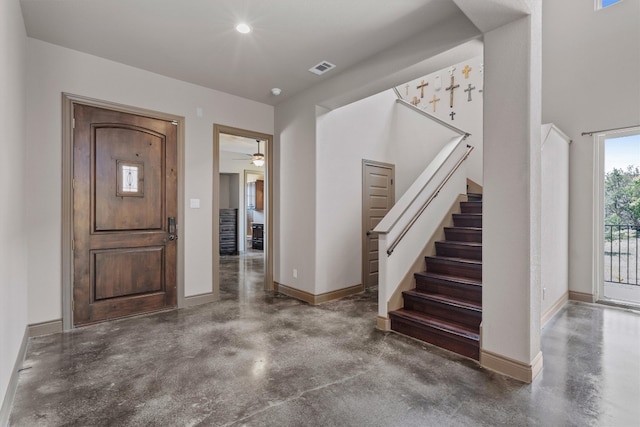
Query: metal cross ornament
(451, 88)
(421, 87)
(468, 90)
(453, 113)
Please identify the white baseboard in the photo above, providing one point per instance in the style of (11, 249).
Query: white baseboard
(554, 309)
(7, 402)
(512, 368)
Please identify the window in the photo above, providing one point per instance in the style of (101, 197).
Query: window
(601, 4)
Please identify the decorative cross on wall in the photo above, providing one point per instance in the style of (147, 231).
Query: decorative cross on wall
(466, 70)
(421, 87)
(453, 113)
(415, 101)
(451, 70)
(434, 102)
(451, 88)
(468, 90)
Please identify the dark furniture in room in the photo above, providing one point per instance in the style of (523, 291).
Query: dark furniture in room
(257, 236)
(228, 231)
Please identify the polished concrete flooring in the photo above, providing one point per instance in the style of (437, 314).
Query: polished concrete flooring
(261, 359)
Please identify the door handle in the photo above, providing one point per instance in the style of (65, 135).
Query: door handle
(172, 228)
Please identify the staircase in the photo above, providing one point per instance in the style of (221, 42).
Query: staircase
(445, 308)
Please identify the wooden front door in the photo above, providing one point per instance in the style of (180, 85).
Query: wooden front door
(124, 214)
(378, 198)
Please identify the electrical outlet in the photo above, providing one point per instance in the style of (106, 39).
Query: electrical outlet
(295, 273)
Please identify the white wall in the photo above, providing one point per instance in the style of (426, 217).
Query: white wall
(554, 260)
(468, 115)
(511, 208)
(13, 233)
(590, 82)
(295, 142)
(51, 70)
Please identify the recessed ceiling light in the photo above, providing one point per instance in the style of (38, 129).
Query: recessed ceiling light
(243, 28)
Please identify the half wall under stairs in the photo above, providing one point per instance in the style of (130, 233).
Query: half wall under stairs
(445, 308)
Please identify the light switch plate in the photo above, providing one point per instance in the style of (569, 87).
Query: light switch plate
(194, 203)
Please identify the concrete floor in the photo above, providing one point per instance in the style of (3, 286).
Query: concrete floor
(260, 359)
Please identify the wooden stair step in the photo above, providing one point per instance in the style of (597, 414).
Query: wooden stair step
(463, 234)
(444, 307)
(471, 207)
(474, 197)
(467, 220)
(460, 267)
(444, 334)
(471, 250)
(463, 288)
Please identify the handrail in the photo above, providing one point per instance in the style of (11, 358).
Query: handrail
(421, 190)
(405, 230)
(402, 101)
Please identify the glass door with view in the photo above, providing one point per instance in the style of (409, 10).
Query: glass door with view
(622, 219)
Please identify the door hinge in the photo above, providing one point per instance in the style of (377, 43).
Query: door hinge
(73, 123)
(175, 123)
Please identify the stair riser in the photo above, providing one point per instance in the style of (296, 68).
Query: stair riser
(444, 311)
(462, 291)
(466, 207)
(454, 269)
(464, 235)
(465, 221)
(444, 249)
(461, 345)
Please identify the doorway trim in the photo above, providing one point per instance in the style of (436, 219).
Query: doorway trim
(68, 101)
(268, 209)
(598, 206)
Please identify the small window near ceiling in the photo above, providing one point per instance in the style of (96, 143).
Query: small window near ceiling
(601, 4)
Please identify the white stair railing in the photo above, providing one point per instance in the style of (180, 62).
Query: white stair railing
(404, 231)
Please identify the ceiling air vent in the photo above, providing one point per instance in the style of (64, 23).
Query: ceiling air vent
(322, 68)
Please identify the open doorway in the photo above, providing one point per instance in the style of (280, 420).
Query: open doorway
(241, 210)
(620, 180)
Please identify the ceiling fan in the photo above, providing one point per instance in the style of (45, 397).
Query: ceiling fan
(256, 158)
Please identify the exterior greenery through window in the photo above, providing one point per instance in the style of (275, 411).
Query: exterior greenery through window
(622, 196)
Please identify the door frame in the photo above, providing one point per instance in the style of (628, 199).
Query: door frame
(598, 206)
(363, 220)
(268, 200)
(68, 101)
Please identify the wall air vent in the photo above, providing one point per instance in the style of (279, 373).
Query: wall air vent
(322, 68)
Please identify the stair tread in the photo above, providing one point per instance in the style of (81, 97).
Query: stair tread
(436, 323)
(445, 299)
(464, 228)
(450, 278)
(460, 243)
(454, 259)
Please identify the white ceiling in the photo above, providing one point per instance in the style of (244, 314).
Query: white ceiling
(195, 40)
